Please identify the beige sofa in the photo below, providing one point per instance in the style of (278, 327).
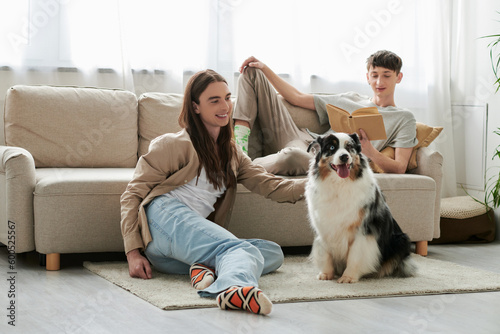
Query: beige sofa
(69, 153)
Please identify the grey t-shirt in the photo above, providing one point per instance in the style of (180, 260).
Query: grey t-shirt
(400, 124)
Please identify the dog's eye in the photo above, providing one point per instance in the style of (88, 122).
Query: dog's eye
(332, 148)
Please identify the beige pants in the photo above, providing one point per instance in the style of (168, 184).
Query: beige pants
(257, 99)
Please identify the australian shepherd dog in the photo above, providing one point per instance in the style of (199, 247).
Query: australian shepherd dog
(356, 235)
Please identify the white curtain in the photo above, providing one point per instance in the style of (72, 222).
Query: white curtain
(155, 45)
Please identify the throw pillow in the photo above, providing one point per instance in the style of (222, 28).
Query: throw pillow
(425, 135)
(388, 152)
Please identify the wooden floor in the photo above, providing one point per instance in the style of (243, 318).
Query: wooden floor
(74, 300)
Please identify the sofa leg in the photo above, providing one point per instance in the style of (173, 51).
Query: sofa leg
(421, 248)
(53, 261)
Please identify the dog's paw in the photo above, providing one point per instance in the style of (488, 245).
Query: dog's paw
(325, 277)
(347, 279)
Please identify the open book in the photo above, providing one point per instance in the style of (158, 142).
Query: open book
(368, 119)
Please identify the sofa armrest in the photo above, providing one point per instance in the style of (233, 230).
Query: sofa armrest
(17, 184)
(430, 163)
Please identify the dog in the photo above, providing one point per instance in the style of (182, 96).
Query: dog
(355, 233)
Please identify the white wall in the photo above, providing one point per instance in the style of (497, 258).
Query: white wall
(487, 22)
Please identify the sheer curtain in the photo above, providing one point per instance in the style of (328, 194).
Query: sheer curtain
(107, 43)
(153, 45)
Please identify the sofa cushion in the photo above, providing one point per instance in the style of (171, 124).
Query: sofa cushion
(425, 136)
(73, 126)
(80, 207)
(410, 198)
(81, 181)
(158, 114)
(284, 223)
(305, 118)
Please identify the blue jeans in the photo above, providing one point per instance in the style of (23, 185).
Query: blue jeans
(181, 237)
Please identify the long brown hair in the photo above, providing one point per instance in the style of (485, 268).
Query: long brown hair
(218, 167)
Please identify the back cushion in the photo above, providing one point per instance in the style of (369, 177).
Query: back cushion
(73, 126)
(158, 114)
(305, 118)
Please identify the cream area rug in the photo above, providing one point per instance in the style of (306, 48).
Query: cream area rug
(296, 281)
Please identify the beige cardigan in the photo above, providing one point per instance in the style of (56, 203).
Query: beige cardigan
(171, 162)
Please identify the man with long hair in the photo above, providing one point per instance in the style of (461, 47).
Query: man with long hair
(174, 209)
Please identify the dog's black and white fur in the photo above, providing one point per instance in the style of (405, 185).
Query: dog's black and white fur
(356, 235)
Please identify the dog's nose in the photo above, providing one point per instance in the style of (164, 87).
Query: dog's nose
(344, 158)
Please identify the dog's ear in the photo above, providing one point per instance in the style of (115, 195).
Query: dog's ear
(355, 139)
(315, 146)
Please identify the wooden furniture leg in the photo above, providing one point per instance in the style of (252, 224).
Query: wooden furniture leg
(53, 261)
(421, 248)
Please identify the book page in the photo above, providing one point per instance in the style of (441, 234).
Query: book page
(365, 111)
(368, 119)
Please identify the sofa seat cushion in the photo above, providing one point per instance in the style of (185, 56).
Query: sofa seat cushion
(254, 216)
(410, 197)
(79, 201)
(81, 181)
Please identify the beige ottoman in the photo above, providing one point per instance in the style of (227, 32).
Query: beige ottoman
(463, 220)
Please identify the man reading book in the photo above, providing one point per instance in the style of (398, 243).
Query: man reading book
(257, 98)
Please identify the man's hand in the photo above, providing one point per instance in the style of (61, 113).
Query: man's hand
(366, 146)
(388, 165)
(251, 62)
(138, 265)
